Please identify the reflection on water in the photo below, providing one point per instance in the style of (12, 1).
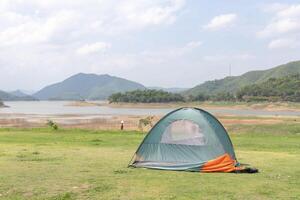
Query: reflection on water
(59, 108)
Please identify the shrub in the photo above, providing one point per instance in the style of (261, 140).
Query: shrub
(145, 122)
(52, 125)
(146, 96)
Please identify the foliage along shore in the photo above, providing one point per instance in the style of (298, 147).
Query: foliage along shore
(2, 105)
(146, 96)
(273, 90)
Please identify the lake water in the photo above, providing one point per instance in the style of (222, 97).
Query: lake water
(60, 108)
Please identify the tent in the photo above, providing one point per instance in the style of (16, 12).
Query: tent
(187, 139)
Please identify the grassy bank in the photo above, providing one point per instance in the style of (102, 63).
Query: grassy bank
(82, 164)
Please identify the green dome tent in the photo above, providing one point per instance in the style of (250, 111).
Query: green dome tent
(187, 139)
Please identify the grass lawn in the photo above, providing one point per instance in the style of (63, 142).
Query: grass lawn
(81, 164)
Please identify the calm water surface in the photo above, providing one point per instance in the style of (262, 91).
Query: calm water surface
(60, 108)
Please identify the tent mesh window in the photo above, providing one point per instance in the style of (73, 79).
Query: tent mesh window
(184, 132)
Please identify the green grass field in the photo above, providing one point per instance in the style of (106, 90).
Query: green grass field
(81, 164)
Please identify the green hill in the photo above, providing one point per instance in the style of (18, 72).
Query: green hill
(275, 89)
(87, 86)
(234, 83)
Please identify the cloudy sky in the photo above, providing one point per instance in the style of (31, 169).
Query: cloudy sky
(170, 43)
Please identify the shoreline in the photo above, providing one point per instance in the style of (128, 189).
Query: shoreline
(264, 106)
(102, 118)
(82, 104)
(112, 122)
(280, 106)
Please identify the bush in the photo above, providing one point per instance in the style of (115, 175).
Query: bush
(145, 122)
(275, 89)
(145, 96)
(199, 97)
(52, 125)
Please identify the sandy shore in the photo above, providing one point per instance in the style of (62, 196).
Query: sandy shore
(82, 104)
(112, 122)
(281, 106)
(101, 122)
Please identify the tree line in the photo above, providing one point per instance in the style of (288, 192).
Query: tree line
(146, 96)
(275, 89)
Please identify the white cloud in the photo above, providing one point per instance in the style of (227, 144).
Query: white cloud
(187, 48)
(35, 21)
(280, 26)
(142, 13)
(274, 7)
(286, 20)
(290, 11)
(284, 26)
(282, 43)
(229, 57)
(93, 48)
(167, 54)
(49, 35)
(221, 21)
(38, 30)
(193, 44)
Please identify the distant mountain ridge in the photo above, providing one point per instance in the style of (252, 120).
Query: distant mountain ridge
(18, 93)
(87, 86)
(15, 96)
(233, 83)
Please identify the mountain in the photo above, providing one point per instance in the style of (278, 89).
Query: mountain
(286, 88)
(4, 95)
(7, 96)
(87, 86)
(18, 93)
(172, 90)
(234, 83)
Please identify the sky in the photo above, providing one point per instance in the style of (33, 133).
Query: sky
(167, 43)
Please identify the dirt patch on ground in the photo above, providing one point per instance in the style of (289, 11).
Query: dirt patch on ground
(280, 106)
(250, 121)
(131, 122)
(276, 107)
(96, 122)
